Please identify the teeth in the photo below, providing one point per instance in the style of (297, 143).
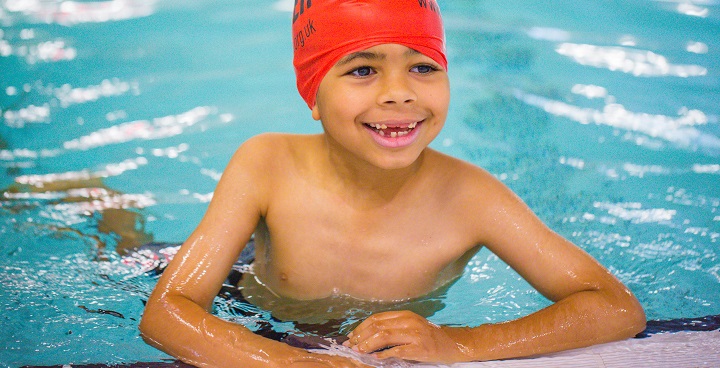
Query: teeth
(381, 130)
(383, 126)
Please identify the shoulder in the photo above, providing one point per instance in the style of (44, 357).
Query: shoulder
(264, 158)
(464, 178)
(256, 168)
(477, 198)
(259, 158)
(268, 150)
(267, 144)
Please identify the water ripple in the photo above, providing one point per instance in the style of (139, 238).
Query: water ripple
(69, 13)
(680, 130)
(640, 63)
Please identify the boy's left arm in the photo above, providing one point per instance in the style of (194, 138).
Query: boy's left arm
(590, 305)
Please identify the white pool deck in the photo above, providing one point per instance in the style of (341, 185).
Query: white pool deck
(676, 350)
(680, 349)
(666, 350)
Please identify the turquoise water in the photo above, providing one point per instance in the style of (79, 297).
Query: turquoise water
(602, 116)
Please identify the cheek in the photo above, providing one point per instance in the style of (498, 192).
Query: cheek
(446, 94)
(343, 104)
(439, 103)
(349, 98)
(444, 101)
(438, 95)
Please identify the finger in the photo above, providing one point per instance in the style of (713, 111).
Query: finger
(385, 333)
(376, 342)
(381, 321)
(407, 352)
(389, 315)
(367, 323)
(389, 338)
(385, 316)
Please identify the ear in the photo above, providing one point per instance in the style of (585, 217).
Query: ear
(316, 112)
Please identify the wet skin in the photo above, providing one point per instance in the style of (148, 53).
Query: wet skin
(353, 212)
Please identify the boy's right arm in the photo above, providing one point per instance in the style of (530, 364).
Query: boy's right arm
(177, 318)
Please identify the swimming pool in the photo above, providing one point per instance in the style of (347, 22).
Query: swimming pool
(602, 116)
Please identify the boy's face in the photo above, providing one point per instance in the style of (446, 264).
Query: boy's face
(384, 105)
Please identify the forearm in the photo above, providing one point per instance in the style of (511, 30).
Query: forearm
(580, 320)
(184, 330)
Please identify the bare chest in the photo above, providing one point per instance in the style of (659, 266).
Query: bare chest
(383, 257)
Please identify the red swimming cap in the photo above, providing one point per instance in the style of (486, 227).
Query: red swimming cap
(324, 31)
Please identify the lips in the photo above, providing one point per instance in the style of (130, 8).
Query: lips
(393, 131)
(394, 134)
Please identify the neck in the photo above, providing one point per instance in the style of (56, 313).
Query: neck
(367, 182)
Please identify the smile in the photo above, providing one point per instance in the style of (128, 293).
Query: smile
(394, 134)
(393, 131)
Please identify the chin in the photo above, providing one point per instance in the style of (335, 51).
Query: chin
(397, 163)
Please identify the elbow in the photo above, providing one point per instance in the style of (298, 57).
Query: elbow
(164, 318)
(151, 324)
(623, 316)
(146, 326)
(632, 315)
(637, 321)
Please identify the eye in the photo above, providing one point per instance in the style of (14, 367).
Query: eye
(363, 71)
(423, 69)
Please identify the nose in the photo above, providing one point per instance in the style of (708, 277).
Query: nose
(396, 89)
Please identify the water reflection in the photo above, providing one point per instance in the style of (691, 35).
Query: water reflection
(626, 169)
(634, 212)
(680, 130)
(549, 34)
(162, 127)
(80, 204)
(17, 116)
(692, 10)
(697, 47)
(30, 114)
(69, 13)
(109, 170)
(48, 51)
(640, 63)
(68, 95)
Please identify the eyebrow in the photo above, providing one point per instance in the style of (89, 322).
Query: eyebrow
(368, 55)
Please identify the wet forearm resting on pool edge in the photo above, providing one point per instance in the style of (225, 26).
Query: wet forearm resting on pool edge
(582, 319)
(183, 329)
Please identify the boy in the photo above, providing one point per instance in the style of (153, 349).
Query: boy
(392, 218)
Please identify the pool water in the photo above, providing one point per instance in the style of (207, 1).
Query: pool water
(118, 118)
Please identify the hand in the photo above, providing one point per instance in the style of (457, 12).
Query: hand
(407, 335)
